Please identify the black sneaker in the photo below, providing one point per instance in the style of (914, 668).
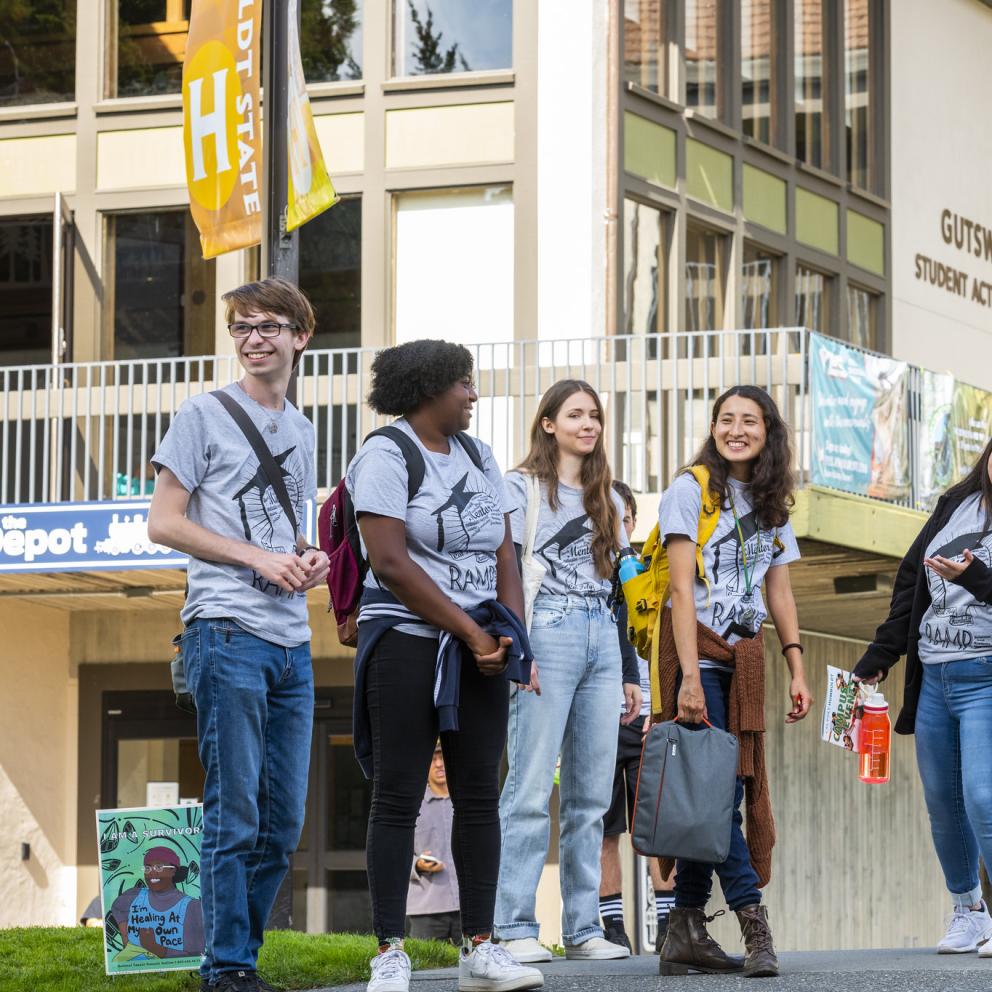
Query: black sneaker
(615, 934)
(263, 985)
(205, 985)
(236, 981)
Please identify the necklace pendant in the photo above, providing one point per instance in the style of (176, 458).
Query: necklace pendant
(273, 427)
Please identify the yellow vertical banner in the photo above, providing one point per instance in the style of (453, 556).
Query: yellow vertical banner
(310, 187)
(222, 129)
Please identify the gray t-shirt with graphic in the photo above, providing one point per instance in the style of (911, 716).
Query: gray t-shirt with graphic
(956, 626)
(230, 495)
(728, 569)
(564, 539)
(455, 523)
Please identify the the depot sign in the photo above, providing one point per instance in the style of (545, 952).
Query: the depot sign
(76, 537)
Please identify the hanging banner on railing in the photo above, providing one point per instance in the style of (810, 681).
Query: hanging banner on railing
(860, 420)
(310, 188)
(957, 424)
(222, 130)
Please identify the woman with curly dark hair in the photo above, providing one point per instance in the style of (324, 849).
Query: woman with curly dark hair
(712, 653)
(439, 637)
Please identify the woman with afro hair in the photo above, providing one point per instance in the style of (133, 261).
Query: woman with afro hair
(439, 636)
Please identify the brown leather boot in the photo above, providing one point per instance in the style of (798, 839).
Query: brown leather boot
(760, 961)
(688, 946)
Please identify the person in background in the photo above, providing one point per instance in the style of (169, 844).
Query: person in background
(620, 815)
(575, 643)
(432, 902)
(940, 618)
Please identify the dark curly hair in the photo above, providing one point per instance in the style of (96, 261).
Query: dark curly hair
(406, 376)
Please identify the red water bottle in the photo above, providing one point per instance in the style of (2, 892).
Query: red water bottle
(876, 739)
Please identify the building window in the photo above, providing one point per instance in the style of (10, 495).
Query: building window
(25, 290)
(812, 84)
(857, 92)
(439, 36)
(702, 37)
(150, 47)
(705, 255)
(37, 52)
(862, 318)
(331, 273)
(161, 289)
(645, 44)
(644, 268)
(331, 40)
(759, 67)
(813, 299)
(759, 288)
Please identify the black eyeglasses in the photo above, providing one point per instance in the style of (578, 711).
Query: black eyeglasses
(268, 329)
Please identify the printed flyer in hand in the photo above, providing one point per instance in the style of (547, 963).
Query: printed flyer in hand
(843, 708)
(150, 888)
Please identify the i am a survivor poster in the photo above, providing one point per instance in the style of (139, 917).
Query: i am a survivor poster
(150, 888)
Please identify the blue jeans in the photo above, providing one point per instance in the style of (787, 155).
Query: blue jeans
(954, 755)
(578, 655)
(738, 879)
(254, 705)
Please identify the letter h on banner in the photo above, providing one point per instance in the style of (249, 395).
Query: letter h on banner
(204, 125)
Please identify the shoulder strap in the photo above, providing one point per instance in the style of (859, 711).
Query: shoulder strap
(265, 459)
(533, 509)
(415, 467)
(471, 449)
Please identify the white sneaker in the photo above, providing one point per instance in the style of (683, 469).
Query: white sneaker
(596, 949)
(490, 967)
(967, 929)
(390, 972)
(527, 949)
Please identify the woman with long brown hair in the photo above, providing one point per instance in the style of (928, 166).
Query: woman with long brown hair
(567, 518)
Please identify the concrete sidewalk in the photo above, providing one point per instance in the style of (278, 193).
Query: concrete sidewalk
(915, 970)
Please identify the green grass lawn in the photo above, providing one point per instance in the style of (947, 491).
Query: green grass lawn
(71, 960)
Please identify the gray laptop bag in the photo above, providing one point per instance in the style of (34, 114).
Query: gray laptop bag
(685, 793)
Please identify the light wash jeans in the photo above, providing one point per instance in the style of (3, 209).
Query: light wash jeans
(578, 656)
(954, 754)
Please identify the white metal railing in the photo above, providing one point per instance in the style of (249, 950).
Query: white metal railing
(87, 430)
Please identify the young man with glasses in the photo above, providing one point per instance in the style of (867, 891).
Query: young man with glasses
(246, 646)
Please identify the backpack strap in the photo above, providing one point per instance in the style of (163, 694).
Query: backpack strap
(708, 519)
(471, 449)
(415, 466)
(265, 458)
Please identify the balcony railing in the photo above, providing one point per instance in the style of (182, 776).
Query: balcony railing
(87, 431)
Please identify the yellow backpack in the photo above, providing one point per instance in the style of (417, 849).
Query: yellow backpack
(647, 593)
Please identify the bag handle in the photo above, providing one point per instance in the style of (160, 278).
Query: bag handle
(708, 724)
(533, 510)
(265, 459)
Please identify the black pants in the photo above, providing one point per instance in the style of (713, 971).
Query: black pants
(436, 926)
(400, 691)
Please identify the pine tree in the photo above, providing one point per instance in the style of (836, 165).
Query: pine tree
(428, 55)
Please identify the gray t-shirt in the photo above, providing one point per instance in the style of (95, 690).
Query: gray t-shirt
(455, 524)
(230, 495)
(727, 599)
(956, 626)
(564, 539)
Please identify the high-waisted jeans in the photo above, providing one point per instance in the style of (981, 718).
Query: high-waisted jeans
(954, 755)
(578, 656)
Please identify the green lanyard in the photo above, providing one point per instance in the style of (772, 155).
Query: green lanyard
(748, 572)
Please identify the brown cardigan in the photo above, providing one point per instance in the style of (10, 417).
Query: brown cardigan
(746, 720)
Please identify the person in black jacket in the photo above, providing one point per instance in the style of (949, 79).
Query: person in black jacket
(940, 617)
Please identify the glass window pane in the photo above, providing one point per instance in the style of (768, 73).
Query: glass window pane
(163, 292)
(759, 288)
(758, 69)
(702, 32)
(164, 760)
(645, 48)
(857, 92)
(643, 268)
(331, 273)
(37, 52)
(812, 299)
(25, 290)
(862, 318)
(331, 39)
(151, 46)
(437, 36)
(704, 279)
(811, 84)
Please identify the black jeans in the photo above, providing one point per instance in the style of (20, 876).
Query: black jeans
(400, 691)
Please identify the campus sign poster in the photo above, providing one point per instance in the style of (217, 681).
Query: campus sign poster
(150, 888)
(957, 424)
(860, 420)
